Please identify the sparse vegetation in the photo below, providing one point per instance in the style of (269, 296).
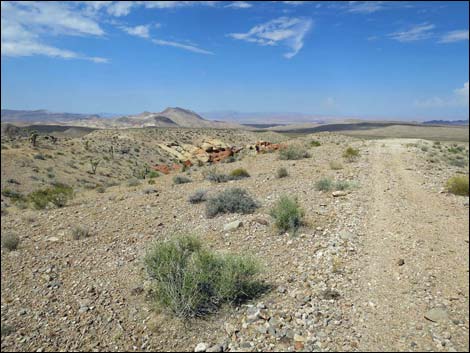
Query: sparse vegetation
(315, 143)
(191, 281)
(181, 179)
(287, 214)
(336, 165)
(458, 185)
(198, 197)
(39, 156)
(133, 182)
(282, 173)
(231, 201)
(80, 232)
(351, 154)
(10, 241)
(58, 195)
(15, 196)
(293, 153)
(324, 184)
(239, 173)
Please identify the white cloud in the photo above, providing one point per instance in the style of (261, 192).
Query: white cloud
(139, 31)
(418, 32)
(25, 23)
(120, 8)
(295, 3)
(240, 5)
(173, 4)
(460, 98)
(454, 36)
(191, 48)
(289, 31)
(365, 7)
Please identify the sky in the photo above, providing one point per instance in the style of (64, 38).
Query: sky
(383, 60)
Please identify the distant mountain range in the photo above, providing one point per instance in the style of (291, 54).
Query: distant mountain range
(446, 122)
(170, 117)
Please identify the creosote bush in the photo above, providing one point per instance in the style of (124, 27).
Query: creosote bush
(10, 241)
(58, 195)
(198, 197)
(181, 179)
(191, 281)
(287, 214)
(282, 173)
(458, 185)
(293, 153)
(239, 173)
(234, 200)
(351, 154)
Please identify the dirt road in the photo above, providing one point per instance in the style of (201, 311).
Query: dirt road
(415, 259)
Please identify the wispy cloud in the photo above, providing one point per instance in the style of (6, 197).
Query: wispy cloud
(454, 36)
(288, 31)
(25, 23)
(187, 47)
(295, 3)
(138, 31)
(365, 7)
(460, 98)
(415, 33)
(239, 5)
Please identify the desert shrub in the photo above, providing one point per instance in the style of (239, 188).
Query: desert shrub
(315, 143)
(231, 201)
(151, 181)
(133, 182)
(6, 329)
(458, 162)
(239, 173)
(335, 165)
(192, 281)
(58, 195)
(293, 153)
(344, 185)
(15, 196)
(282, 173)
(287, 214)
(101, 189)
(149, 190)
(39, 156)
(458, 185)
(80, 232)
(216, 177)
(198, 197)
(153, 174)
(424, 148)
(351, 154)
(230, 159)
(181, 179)
(10, 241)
(324, 184)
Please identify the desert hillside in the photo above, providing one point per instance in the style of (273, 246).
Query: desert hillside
(379, 260)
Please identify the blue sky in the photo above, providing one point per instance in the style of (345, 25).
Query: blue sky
(402, 60)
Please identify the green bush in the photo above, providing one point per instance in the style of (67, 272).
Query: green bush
(79, 232)
(293, 153)
(217, 177)
(198, 197)
(344, 185)
(324, 184)
(10, 241)
(13, 195)
(282, 173)
(315, 143)
(287, 214)
(181, 179)
(192, 281)
(58, 195)
(231, 201)
(335, 165)
(239, 173)
(458, 185)
(351, 154)
(153, 174)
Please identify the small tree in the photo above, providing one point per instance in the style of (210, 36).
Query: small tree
(94, 164)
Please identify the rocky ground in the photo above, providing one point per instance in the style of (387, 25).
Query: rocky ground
(383, 267)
